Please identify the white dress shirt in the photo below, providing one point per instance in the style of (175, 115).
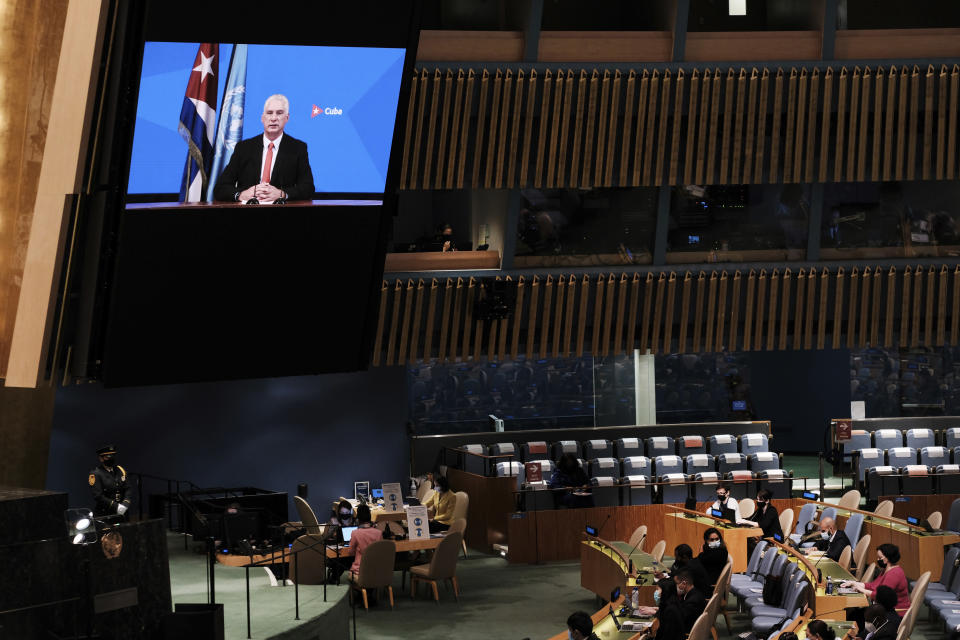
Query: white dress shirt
(730, 504)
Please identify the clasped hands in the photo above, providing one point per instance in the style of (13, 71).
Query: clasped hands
(262, 191)
(848, 584)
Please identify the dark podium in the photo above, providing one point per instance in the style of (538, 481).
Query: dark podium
(53, 588)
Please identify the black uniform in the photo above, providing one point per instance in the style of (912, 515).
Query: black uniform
(109, 488)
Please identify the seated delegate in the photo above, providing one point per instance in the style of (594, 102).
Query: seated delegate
(713, 557)
(690, 600)
(683, 559)
(832, 540)
(669, 616)
(569, 474)
(440, 506)
(888, 555)
(365, 534)
(765, 515)
(724, 501)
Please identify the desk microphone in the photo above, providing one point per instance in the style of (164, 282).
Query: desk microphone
(819, 573)
(280, 201)
(629, 559)
(603, 525)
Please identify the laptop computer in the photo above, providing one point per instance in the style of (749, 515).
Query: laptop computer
(725, 513)
(347, 533)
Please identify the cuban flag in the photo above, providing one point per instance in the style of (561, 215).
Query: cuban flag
(198, 119)
(230, 127)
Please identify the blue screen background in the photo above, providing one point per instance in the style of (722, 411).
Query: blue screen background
(349, 153)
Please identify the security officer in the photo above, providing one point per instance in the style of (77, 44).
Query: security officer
(112, 493)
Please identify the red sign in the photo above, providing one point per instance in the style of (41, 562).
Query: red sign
(844, 430)
(533, 471)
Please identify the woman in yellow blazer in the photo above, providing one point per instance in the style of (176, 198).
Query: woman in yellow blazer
(440, 506)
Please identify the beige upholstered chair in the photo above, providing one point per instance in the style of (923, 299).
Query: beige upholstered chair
(786, 522)
(868, 573)
(746, 507)
(860, 554)
(460, 510)
(916, 600)
(703, 625)
(722, 589)
(884, 508)
(443, 566)
(310, 564)
(427, 495)
(935, 519)
(422, 489)
(459, 526)
(850, 500)
(638, 536)
(658, 550)
(376, 570)
(307, 517)
(845, 556)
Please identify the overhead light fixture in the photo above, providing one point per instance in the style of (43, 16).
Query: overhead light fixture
(737, 7)
(81, 526)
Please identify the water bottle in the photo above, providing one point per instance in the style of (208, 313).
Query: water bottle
(829, 586)
(635, 599)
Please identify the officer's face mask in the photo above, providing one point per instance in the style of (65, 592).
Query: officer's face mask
(109, 460)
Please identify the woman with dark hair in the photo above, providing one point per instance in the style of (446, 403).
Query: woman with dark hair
(888, 555)
(669, 617)
(342, 515)
(713, 557)
(440, 506)
(571, 475)
(818, 630)
(765, 515)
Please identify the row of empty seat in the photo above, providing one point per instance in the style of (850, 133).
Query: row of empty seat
(660, 466)
(932, 456)
(913, 479)
(891, 438)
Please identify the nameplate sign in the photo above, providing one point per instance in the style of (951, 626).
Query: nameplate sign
(417, 525)
(392, 497)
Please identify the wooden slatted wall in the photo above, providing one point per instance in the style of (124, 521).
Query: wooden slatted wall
(671, 312)
(504, 128)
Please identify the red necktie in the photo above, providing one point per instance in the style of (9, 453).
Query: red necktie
(265, 177)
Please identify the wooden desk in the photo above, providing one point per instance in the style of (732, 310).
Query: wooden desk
(827, 607)
(441, 261)
(381, 515)
(604, 626)
(919, 551)
(684, 526)
(284, 555)
(604, 567)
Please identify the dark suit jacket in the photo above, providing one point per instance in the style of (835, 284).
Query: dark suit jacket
(713, 561)
(700, 579)
(672, 625)
(291, 171)
(834, 547)
(691, 607)
(769, 521)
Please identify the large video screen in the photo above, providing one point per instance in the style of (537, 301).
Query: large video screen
(198, 101)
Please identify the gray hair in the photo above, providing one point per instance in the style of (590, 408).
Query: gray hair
(280, 98)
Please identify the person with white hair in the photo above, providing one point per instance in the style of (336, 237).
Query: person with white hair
(269, 167)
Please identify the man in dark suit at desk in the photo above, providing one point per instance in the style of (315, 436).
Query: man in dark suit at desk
(268, 167)
(831, 540)
(692, 602)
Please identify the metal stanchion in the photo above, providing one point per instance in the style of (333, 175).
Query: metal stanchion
(296, 586)
(820, 461)
(247, 570)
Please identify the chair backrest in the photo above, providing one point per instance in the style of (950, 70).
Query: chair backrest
(597, 449)
(949, 562)
(754, 561)
(829, 512)
(723, 581)
(919, 589)
(887, 438)
(901, 456)
(626, 447)
(753, 443)
(850, 500)
(422, 489)
(605, 467)
(853, 527)
(953, 519)
(807, 512)
(703, 624)
(461, 506)
(860, 553)
(427, 496)
(444, 562)
(935, 519)
(934, 456)
(566, 446)
(637, 536)
(658, 550)
(952, 437)
(376, 564)
(459, 525)
(636, 466)
(660, 446)
(662, 465)
(869, 458)
(845, 557)
(763, 460)
(721, 443)
(307, 517)
(502, 448)
(731, 462)
(884, 508)
(691, 445)
(746, 507)
(700, 463)
(859, 439)
(868, 573)
(918, 438)
(786, 521)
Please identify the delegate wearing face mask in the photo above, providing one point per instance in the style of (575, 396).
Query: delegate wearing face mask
(725, 501)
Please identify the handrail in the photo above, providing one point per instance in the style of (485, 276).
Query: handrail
(480, 455)
(865, 513)
(799, 556)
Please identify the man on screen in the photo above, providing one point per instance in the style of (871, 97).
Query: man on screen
(268, 167)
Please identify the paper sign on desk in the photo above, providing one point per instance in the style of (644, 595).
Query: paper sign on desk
(392, 497)
(417, 526)
(534, 471)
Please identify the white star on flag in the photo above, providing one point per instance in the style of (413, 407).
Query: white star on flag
(315, 112)
(205, 66)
